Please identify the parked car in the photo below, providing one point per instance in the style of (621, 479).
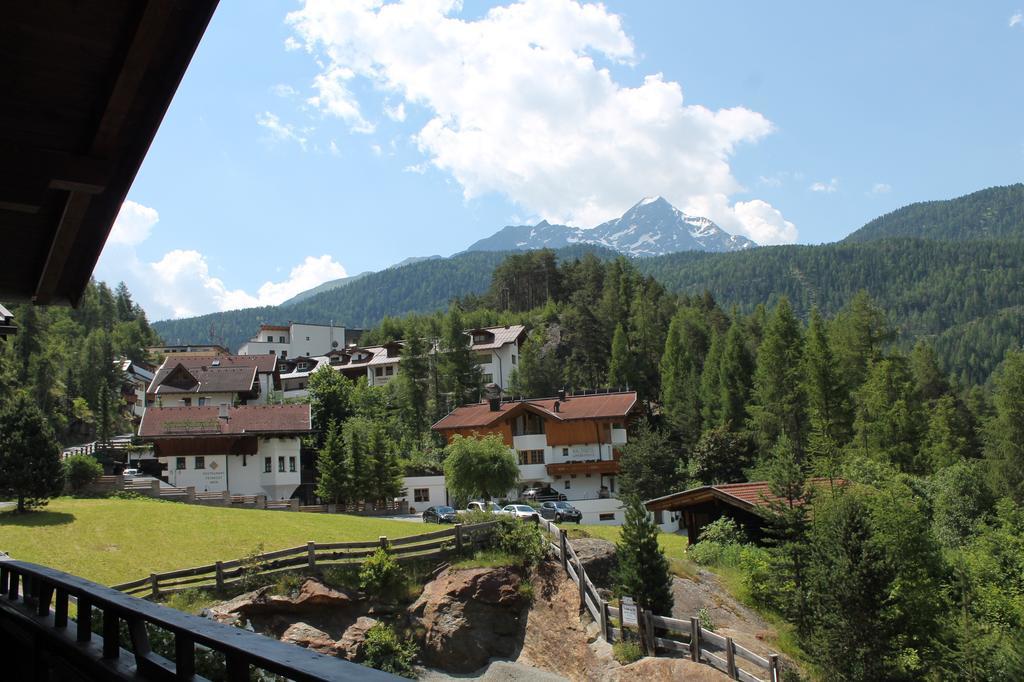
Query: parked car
(492, 507)
(542, 493)
(130, 473)
(560, 511)
(440, 515)
(522, 511)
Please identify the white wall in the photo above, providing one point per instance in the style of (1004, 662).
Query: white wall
(500, 366)
(436, 492)
(242, 474)
(178, 400)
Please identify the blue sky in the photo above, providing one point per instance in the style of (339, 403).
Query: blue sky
(311, 139)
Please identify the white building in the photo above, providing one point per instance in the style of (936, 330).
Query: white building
(135, 380)
(570, 443)
(295, 339)
(214, 380)
(246, 450)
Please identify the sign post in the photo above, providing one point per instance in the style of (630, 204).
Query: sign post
(627, 607)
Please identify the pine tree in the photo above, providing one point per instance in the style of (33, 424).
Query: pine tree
(646, 339)
(685, 348)
(30, 466)
(889, 421)
(950, 436)
(859, 335)
(538, 373)
(413, 382)
(387, 473)
(643, 571)
(648, 464)
(827, 407)
(778, 401)
(462, 377)
(931, 383)
(620, 367)
(736, 368)
(332, 483)
(1004, 434)
(711, 382)
(330, 397)
(357, 460)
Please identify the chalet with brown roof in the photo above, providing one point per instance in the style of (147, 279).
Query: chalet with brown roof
(247, 450)
(569, 442)
(214, 380)
(742, 502)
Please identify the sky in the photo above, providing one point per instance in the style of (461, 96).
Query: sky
(318, 139)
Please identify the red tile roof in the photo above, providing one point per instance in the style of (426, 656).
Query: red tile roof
(600, 406)
(184, 422)
(214, 373)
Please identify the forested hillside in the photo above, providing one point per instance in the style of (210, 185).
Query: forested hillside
(992, 212)
(64, 359)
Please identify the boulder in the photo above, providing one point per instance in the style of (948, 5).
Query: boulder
(233, 610)
(469, 616)
(350, 645)
(598, 559)
(309, 637)
(314, 594)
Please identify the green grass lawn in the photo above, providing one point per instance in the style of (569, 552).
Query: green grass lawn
(115, 541)
(673, 545)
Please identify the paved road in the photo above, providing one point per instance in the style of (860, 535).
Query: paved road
(6, 505)
(415, 518)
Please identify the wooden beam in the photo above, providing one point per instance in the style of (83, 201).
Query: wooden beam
(63, 242)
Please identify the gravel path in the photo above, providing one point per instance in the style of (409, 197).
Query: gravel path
(497, 671)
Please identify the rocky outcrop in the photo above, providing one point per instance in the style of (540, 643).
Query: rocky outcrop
(309, 637)
(598, 559)
(313, 594)
(666, 670)
(469, 616)
(352, 643)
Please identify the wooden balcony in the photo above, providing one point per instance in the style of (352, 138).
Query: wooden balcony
(608, 467)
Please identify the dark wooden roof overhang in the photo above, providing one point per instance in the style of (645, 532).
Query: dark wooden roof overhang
(693, 497)
(86, 85)
(607, 467)
(205, 445)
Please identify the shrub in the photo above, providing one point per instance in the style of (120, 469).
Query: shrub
(287, 584)
(521, 540)
(80, 471)
(724, 531)
(341, 575)
(381, 576)
(704, 616)
(627, 652)
(385, 651)
(250, 569)
(476, 516)
(526, 590)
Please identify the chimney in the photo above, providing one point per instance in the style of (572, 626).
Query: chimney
(561, 394)
(495, 404)
(557, 405)
(222, 412)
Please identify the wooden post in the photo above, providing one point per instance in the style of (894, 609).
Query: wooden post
(311, 554)
(154, 585)
(730, 658)
(458, 538)
(83, 629)
(261, 501)
(695, 639)
(154, 488)
(603, 607)
(220, 576)
(293, 504)
(647, 618)
(383, 542)
(563, 545)
(773, 668)
(583, 583)
(190, 494)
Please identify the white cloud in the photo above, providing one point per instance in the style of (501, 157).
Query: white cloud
(395, 113)
(520, 105)
(291, 44)
(133, 224)
(418, 168)
(826, 187)
(180, 283)
(764, 223)
(280, 130)
(375, 148)
(1017, 19)
(881, 188)
(283, 90)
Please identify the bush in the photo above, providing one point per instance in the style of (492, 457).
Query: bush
(521, 540)
(381, 576)
(627, 652)
(724, 531)
(476, 516)
(385, 651)
(80, 471)
(704, 616)
(250, 577)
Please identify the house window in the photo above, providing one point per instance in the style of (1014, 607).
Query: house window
(202, 401)
(659, 517)
(421, 494)
(513, 359)
(187, 402)
(379, 372)
(266, 465)
(335, 360)
(531, 457)
(280, 464)
(273, 352)
(488, 378)
(568, 484)
(291, 464)
(179, 463)
(280, 339)
(270, 339)
(565, 452)
(200, 462)
(389, 371)
(483, 358)
(606, 517)
(611, 484)
(284, 354)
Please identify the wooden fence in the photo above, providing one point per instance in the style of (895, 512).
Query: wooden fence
(222, 574)
(660, 633)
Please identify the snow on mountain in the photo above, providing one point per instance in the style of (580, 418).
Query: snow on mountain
(652, 227)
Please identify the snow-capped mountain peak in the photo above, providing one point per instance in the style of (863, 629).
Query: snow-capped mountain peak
(651, 227)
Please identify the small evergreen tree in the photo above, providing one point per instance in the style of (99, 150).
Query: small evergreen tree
(648, 464)
(329, 400)
(332, 482)
(643, 571)
(620, 366)
(778, 403)
(30, 466)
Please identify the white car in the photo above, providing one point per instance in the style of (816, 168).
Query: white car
(492, 507)
(130, 473)
(522, 511)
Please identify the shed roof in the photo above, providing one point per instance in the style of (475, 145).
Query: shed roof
(743, 495)
(185, 422)
(502, 336)
(86, 86)
(600, 406)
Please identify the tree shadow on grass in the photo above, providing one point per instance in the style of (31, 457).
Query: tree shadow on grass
(35, 518)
